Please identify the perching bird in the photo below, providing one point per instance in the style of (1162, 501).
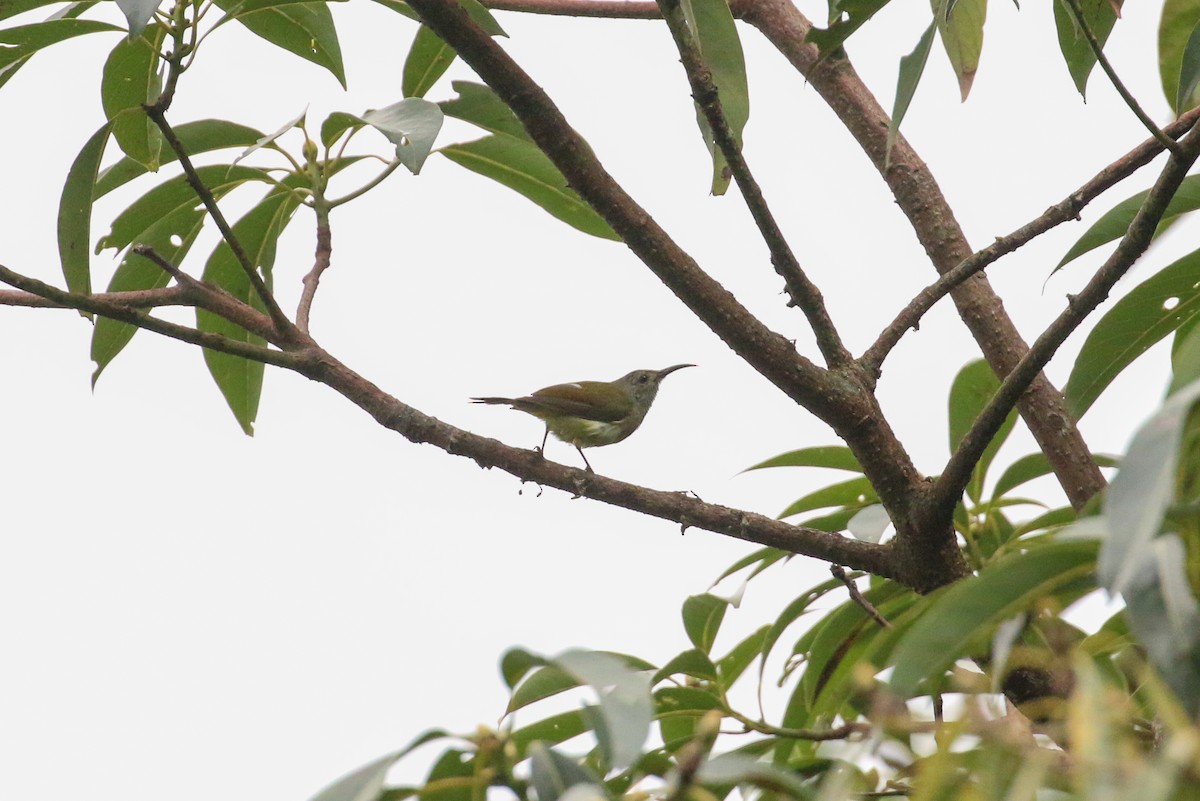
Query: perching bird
(588, 414)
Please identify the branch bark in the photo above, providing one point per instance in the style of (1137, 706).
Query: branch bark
(922, 202)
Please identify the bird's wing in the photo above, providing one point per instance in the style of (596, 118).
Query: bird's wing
(589, 400)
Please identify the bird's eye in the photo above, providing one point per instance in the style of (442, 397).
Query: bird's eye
(643, 378)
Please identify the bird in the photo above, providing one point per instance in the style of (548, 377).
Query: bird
(588, 414)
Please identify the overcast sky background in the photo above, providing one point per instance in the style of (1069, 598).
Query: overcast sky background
(189, 613)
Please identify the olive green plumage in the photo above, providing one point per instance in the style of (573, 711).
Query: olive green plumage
(588, 414)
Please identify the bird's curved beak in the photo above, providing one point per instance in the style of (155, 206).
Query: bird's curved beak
(668, 370)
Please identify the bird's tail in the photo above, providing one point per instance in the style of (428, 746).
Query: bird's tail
(504, 401)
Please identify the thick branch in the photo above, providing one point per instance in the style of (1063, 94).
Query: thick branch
(954, 478)
(840, 401)
(1061, 212)
(803, 292)
(922, 202)
(137, 299)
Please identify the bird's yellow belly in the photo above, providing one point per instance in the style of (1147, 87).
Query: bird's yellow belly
(586, 433)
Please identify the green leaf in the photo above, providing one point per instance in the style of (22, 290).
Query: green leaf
(1100, 16)
(305, 29)
(1185, 355)
(838, 457)
(791, 613)
(1031, 466)
(554, 729)
(8, 67)
(364, 784)
(11, 8)
(453, 763)
(240, 380)
(692, 662)
(481, 15)
(428, 59)
(200, 136)
(963, 612)
(75, 213)
(912, 67)
(702, 616)
(716, 35)
(678, 709)
(479, 105)
(22, 41)
(1151, 311)
(970, 393)
(850, 15)
(1114, 223)
(761, 559)
(554, 774)
(856, 491)
(541, 683)
(960, 24)
(835, 521)
(743, 770)
(516, 663)
(1178, 22)
(626, 709)
(521, 166)
(336, 124)
(1189, 71)
(734, 663)
(130, 81)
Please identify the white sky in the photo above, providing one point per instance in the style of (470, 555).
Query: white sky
(189, 613)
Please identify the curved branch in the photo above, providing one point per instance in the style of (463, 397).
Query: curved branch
(803, 292)
(1061, 212)
(954, 478)
(922, 202)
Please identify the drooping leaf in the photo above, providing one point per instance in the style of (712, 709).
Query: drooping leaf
(137, 13)
(1100, 16)
(970, 393)
(411, 125)
(1185, 355)
(363, 784)
(305, 29)
(1179, 20)
(240, 380)
(1189, 71)
(428, 59)
(479, 105)
(75, 213)
(1143, 489)
(960, 25)
(702, 616)
(521, 166)
(9, 67)
(554, 774)
(712, 26)
(1114, 223)
(200, 136)
(836, 456)
(1150, 311)
(626, 708)
(130, 81)
(912, 67)
(971, 608)
(791, 613)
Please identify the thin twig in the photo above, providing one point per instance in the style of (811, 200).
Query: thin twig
(957, 473)
(104, 306)
(282, 323)
(816, 735)
(1061, 212)
(839, 573)
(801, 290)
(321, 263)
(134, 299)
(615, 9)
(1130, 101)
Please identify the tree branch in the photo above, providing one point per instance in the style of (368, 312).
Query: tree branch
(800, 289)
(321, 263)
(1125, 94)
(1066, 209)
(922, 202)
(954, 478)
(104, 305)
(839, 400)
(136, 299)
(615, 9)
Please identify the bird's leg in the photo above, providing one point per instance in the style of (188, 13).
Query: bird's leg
(542, 450)
(585, 461)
